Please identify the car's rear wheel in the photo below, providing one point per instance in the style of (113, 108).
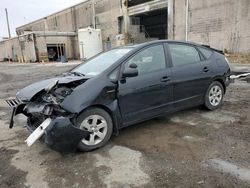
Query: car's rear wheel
(214, 96)
(99, 123)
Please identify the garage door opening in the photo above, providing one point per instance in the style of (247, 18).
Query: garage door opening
(56, 52)
(154, 24)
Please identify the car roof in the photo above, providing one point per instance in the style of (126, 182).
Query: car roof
(134, 46)
(158, 41)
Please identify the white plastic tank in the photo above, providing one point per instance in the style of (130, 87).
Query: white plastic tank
(90, 42)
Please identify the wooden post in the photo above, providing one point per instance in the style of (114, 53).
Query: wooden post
(64, 50)
(61, 49)
(57, 50)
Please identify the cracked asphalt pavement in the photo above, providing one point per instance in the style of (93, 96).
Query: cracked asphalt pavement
(191, 148)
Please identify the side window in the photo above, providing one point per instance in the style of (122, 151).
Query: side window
(149, 60)
(183, 54)
(206, 52)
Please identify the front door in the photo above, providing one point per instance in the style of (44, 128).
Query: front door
(151, 92)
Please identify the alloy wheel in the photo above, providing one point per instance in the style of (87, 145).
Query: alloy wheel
(97, 126)
(215, 95)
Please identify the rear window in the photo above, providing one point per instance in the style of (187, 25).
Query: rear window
(206, 52)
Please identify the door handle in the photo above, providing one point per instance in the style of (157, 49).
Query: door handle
(205, 69)
(165, 79)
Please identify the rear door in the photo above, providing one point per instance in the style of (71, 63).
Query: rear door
(151, 92)
(207, 62)
(191, 76)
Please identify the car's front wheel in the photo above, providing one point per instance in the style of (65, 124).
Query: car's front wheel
(99, 123)
(214, 96)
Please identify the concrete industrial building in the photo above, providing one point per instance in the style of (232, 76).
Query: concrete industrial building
(222, 24)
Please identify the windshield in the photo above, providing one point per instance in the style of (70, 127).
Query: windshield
(101, 62)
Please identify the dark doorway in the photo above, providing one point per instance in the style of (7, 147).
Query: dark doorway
(55, 51)
(154, 23)
(137, 2)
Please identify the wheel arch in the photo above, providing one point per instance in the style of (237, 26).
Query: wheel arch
(220, 80)
(110, 112)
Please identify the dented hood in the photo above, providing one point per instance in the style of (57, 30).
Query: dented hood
(30, 91)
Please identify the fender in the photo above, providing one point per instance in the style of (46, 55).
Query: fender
(102, 95)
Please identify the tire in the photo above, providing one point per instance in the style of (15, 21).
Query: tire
(214, 96)
(99, 122)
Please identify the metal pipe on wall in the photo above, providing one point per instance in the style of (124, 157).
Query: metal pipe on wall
(94, 19)
(187, 11)
(170, 34)
(126, 21)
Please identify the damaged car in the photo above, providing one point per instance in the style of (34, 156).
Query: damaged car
(83, 107)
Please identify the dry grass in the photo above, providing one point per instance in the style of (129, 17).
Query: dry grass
(239, 58)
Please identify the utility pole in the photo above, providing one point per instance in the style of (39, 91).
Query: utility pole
(8, 25)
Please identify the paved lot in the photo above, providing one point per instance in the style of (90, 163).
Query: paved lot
(193, 148)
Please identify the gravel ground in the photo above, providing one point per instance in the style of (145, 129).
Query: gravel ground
(192, 148)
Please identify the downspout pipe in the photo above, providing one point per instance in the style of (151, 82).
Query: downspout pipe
(94, 15)
(126, 21)
(187, 20)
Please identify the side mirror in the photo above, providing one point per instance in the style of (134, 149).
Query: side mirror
(133, 66)
(130, 73)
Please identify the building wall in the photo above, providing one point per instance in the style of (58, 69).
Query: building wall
(223, 24)
(28, 48)
(80, 16)
(6, 48)
(20, 49)
(69, 41)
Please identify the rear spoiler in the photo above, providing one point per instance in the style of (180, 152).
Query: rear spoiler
(219, 51)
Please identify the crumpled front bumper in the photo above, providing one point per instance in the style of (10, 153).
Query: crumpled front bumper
(61, 134)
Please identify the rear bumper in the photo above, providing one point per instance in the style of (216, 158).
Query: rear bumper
(227, 81)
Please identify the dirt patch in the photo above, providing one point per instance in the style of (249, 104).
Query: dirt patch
(73, 170)
(10, 176)
(171, 151)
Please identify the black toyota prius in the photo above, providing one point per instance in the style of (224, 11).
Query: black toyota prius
(83, 107)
